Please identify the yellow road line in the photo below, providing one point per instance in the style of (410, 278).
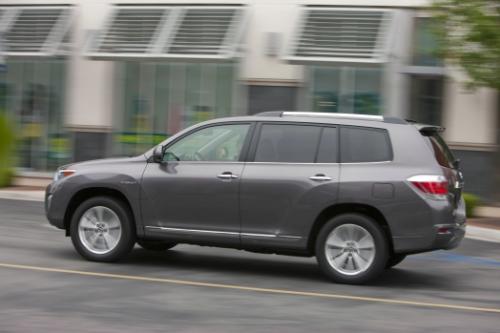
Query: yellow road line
(256, 289)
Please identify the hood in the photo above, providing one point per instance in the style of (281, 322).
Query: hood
(104, 161)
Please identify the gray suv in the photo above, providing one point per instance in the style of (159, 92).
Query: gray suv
(358, 192)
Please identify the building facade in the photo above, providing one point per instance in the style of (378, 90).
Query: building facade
(87, 79)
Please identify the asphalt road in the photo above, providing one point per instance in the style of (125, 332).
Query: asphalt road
(46, 287)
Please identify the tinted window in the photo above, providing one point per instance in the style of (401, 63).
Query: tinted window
(443, 154)
(216, 143)
(364, 145)
(287, 143)
(328, 147)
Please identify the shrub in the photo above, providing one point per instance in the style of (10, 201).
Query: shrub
(471, 202)
(6, 151)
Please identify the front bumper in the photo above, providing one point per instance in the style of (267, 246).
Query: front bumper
(55, 216)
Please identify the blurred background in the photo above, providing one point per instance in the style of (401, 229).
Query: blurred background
(85, 79)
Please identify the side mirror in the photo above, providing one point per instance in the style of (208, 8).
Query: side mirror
(158, 154)
(456, 164)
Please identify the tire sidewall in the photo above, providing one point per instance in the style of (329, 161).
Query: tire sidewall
(381, 248)
(127, 238)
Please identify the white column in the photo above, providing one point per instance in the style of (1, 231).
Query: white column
(90, 82)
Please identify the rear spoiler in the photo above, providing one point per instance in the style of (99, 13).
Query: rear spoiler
(427, 129)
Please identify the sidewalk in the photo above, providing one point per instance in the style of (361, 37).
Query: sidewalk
(485, 228)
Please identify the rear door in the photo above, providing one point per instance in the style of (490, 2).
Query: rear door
(291, 174)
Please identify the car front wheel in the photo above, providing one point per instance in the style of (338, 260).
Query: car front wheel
(102, 229)
(351, 248)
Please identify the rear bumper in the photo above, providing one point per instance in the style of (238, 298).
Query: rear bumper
(445, 231)
(449, 236)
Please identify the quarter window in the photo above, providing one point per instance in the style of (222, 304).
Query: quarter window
(287, 143)
(364, 145)
(216, 143)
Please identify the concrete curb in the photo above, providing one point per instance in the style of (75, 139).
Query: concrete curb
(483, 234)
(22, 195)
(473, 232)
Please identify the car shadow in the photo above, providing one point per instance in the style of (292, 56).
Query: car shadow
(292, 268)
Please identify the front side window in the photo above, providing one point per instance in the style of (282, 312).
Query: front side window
(216, 143)
(285, 143)
(360, 145)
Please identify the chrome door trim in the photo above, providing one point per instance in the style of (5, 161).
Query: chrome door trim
(193, 230)
(217, 232)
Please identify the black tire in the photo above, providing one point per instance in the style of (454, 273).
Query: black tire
(380, 257)
(155, 245)
(394, 260)
(126, 240)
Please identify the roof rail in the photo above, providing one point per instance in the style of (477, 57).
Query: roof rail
(282, 114)
(333, 115)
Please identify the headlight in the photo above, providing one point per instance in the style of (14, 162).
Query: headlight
(60, 174)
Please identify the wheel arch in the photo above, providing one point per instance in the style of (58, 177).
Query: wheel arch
(345, 208)
(90, 192)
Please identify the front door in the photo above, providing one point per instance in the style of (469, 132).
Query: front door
(194, 192)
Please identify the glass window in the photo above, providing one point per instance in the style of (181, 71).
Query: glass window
(367, 91)
(287, 143)
(156, 100)
(364, 145)
(346, 89)
(426, 43)
(34, 93)
(328, 147)
(443, 154)
(426, 99)
(216, 143)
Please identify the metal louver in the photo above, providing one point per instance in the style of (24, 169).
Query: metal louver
(342, 36)
(132, 30)
(34, 31)
(173, 32)
(204, 31)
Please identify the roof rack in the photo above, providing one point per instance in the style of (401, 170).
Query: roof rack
(333, 115)
(283, 114)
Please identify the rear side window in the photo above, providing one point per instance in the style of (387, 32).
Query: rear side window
(359, 144)
(443, 154)
(287, 143)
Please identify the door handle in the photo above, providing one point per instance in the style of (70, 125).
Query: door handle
(320, 178)
(227, 176)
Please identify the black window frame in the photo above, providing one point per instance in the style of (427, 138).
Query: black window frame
(377, 129)
(250, 158)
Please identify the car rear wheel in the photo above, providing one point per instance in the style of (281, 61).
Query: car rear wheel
(394, 260)
(351, 248)
(102, 229)
(155, 245)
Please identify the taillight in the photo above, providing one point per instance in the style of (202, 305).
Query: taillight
(432, 186)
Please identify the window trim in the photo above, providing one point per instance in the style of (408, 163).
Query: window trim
(258, 129)
(388, 136)
(244, 148)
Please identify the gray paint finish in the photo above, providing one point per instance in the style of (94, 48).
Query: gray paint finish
(272, 207)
